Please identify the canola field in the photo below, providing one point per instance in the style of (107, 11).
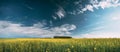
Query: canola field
(59, 45)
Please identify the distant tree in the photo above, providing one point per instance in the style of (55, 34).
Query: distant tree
(62, 37)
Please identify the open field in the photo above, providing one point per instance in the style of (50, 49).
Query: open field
(59, 45)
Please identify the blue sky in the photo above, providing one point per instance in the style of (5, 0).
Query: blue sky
(48, 18)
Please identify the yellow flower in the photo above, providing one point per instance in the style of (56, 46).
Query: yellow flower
(94, 48)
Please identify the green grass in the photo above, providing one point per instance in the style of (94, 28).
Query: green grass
(59, 45)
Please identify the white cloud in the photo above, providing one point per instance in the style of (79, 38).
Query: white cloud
(95, 4)
(88, 7)
(114, 16)
(64, 29)
(54, 17)
(9, 29)
(60, 13)
(100, 35)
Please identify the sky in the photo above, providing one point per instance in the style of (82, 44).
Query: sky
(49, 18)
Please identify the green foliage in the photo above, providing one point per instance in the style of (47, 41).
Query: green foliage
(62, 37)
(59, 45)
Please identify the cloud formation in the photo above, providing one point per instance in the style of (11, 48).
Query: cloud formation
(100, 35)
(9, 29)
(96, 4)
(59, 14)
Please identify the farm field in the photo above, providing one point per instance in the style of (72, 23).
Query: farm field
(59, 45)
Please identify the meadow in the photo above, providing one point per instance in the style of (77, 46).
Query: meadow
(59, 45)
